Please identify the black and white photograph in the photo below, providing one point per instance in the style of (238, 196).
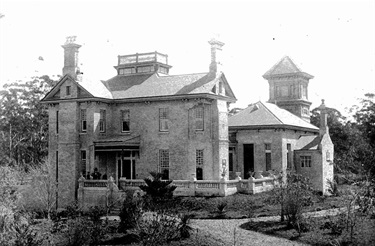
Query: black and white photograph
(197, 123)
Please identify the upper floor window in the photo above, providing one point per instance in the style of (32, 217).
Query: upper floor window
(125, 120)
(305, 161)
(102, 121)
(199, 118)
(68, 90)
(267, 148)
(163, 167)
(163, 119)
(83, 120)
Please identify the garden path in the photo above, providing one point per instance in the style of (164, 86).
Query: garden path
(228, 232)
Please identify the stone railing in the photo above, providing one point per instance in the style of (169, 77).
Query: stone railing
(104, 193)
(255, 184)
(258, 183)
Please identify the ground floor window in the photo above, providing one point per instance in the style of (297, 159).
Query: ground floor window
(199, 163)
(305, 161)
(164, 163)
(267, 148)
(83, 162)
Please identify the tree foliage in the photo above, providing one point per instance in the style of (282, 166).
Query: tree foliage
(24, 121)
(354, 140)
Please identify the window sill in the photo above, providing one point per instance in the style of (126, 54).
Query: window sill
(162, 133)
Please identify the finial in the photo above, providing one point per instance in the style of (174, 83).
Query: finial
(70, 39)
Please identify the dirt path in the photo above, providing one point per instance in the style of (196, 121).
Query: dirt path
(228, 232)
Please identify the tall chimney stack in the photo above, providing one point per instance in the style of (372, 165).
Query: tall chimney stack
(216, 63)
(323, 129)
(71, 57)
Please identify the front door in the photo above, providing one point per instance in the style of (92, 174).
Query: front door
(248, 159)
(126, 164)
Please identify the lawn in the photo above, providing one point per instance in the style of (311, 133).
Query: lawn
(321, 231)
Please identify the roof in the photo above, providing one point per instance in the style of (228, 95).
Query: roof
(125, 86)
(308, 143)
(118, 140)
(285, 66)
(149, 85)
(263, 114)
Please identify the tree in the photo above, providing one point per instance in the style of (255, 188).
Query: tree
(24, 122)
(354, 141)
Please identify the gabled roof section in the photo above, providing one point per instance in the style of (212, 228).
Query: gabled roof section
(283, 67)
(262, 114)
(308, 143)
(86, 88)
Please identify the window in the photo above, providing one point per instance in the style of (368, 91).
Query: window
(83, 162)
(163, 120)
(267, 147)
(288, 156)
(199, 118)
(164, 163)
(68, 90)
(230, 161)
(304, 91)
(102, 120)
(83, 120)
(57, 122)
(125, 120)
(145, 69)
(328, 156)
(162, 70)
(199, 163)
(305, 161)
(126, 70)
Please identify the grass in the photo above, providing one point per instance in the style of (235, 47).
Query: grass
(318, 234)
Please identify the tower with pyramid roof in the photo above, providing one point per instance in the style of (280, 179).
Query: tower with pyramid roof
(288, 88)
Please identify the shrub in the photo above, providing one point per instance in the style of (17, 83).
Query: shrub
(130, 213)
(221, 213)
(161, 228)
(333, 187)
(158, 189)
(292, 196)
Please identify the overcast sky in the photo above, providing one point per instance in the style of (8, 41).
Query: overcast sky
(331, 40)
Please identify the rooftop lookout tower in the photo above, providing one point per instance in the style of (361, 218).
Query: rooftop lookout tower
(143, 63)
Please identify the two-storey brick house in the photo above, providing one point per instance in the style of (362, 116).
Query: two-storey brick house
(141, 120)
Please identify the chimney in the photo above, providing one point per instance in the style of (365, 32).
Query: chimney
(71, 57)
(216, 63)
(323, 119)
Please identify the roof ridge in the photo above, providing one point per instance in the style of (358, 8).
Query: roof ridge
(271, 111)
(184, 74)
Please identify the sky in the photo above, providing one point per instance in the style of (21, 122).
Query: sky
(331, 40)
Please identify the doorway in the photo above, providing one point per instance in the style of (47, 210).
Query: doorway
(248, 159)
(126, 164)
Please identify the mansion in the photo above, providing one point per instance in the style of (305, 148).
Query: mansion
(144, 120)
